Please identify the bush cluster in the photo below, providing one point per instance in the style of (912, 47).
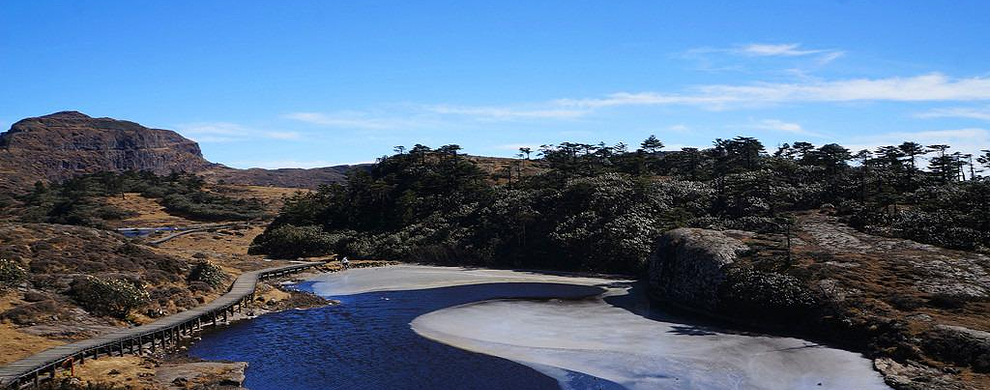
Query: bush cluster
(209, 273)
(204, 206)
(749, 293)
(115, 297)
(11, 273)
(289, 242)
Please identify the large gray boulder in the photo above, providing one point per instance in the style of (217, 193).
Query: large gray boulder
(964, 346)
(688, 266)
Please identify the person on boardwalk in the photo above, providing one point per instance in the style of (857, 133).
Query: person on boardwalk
(345, 263)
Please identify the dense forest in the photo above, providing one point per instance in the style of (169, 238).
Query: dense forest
(600, 207)
(82, 200)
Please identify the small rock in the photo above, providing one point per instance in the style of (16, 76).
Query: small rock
(35, 296)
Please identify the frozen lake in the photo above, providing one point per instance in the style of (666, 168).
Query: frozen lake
(422, 327)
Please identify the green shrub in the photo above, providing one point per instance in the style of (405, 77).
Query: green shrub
(289, 242)
(114, 297)
(205, 206)
(11, 273)
(209, 273)
(758, 294)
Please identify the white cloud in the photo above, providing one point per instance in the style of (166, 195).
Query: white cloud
(766, 50)
(432, 116)
(219, 132)
(643, 99)
(958, 112)
(212, 128)
(680, 128)
(928, 87)
(709, 55)
(781, 126)
(829, 57)
(363, 120)
(506, 113)
(283, 135)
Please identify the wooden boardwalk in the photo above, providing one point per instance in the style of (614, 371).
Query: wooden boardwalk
(164, 333)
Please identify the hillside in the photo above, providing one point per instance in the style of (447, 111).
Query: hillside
(66, 144)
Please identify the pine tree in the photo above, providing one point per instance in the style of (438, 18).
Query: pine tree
(651, 145)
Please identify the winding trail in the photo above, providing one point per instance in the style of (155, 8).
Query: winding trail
(164, 333)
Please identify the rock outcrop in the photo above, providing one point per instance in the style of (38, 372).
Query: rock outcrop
(201, 375)
(960, 345)
(65, 144)
(916, 376)
(688, 266)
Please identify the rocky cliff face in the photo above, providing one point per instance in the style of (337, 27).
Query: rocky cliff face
(61, 145)
(920, 311)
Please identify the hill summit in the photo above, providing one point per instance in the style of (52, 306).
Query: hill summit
(68, 143)
(59, 146)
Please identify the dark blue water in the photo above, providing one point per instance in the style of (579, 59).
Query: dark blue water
(366, 343)
(141, 232)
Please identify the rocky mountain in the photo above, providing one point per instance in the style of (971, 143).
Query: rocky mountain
(69, 143)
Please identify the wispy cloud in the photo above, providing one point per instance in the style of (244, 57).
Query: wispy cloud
(785, 127)
(219, 132)
(283, 135)
(927, 87)
(506, 113)
(774, 50)
(981, 113)
(355, 120)
(729, 57)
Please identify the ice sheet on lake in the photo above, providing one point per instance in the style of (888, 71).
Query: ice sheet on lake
(595, 338)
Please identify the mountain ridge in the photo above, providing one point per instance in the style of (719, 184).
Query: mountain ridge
(65, 144)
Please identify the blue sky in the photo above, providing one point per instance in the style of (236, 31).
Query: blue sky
(312, 83)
